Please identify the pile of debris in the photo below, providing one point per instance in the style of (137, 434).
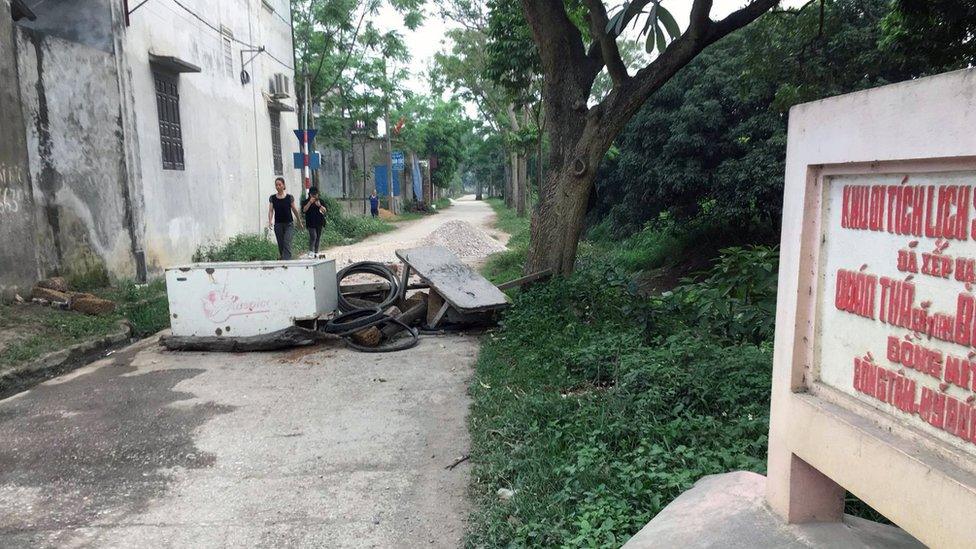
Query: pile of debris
(55, 292)
(464, 240)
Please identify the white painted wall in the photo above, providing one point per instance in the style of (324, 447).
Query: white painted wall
(228, 177)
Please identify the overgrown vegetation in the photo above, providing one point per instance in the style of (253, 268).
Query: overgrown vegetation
(505, 266)
(339, 229)
(711, 143)
(28, 331)
(598, 406)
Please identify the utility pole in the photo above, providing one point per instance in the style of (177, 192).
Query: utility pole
(389, 141)
(306, 171)
(365, 135)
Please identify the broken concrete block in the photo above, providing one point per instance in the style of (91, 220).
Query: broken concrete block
(48, 294)
(55, 283)
(93, 306)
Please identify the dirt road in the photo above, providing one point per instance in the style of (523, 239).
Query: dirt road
(382, 247)
(316, 447)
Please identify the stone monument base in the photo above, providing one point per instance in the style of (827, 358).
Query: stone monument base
(729, 511)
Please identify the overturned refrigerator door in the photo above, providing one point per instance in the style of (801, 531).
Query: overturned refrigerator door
(242, 299)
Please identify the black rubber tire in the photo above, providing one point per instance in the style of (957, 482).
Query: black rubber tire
(354, 321)
(373, 268)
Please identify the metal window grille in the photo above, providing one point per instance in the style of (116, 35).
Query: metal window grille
(279, 168)
(168, 109)
(228, 57)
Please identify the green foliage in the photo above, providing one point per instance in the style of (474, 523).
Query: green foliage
(512, 58)
(712, 141)
(339, 229)
(507, 265)
(735, 302)
(597, 418)
(941, 30)
(95, 275)
(436, 128)
(242, 247)
(47, 329)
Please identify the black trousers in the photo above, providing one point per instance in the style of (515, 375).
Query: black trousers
(314, 234)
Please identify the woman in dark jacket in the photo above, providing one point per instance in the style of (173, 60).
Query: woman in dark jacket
(314, 219)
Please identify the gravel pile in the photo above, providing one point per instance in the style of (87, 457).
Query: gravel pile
(464, 239)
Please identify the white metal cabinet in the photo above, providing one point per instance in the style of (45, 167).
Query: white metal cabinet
(239, 299)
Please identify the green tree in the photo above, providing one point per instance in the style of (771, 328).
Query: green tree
(579, 133)
(337, 46)
(942, 30)
(435, 128)
(712, 141)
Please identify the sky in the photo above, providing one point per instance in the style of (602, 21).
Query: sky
(428, 39)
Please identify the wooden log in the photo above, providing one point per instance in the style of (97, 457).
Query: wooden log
(525, 280)
(434, 304)
(409, 317)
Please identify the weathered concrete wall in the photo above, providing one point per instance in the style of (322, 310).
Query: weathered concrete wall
(70, 100)
(331, 173)
(87, 22)
(226, 126)
(17, 244)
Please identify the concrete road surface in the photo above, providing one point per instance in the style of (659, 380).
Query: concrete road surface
(382, 247)
(317, 447)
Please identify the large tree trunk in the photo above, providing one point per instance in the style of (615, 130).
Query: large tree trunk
(511, 177)
(521, 168)
(579, 134)
(557, 220)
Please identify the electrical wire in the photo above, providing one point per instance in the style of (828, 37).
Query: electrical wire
(233, 39)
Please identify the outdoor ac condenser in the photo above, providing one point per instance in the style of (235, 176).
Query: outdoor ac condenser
(240, 299)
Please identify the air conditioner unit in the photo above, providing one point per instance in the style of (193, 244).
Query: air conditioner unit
(279, 86)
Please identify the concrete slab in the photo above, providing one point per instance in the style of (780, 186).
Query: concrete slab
(729, 512)
(314, 447)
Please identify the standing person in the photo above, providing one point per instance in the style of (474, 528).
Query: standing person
(281, 206)
(374, 204)
(314, 219)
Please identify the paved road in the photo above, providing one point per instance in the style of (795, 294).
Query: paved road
(317, 447)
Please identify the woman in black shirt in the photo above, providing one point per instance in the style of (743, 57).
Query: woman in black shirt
(281, 206)
(314, 219)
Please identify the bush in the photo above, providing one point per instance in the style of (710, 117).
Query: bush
(736, 301)
(339, 229)
(243, 247)
(597, 418)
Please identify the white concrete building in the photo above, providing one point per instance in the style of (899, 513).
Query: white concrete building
(151, 128)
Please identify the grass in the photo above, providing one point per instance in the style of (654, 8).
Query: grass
(597, 418)
(598, 404)
(442, 203)
(505, 266)
(340, 229)
(33, 330)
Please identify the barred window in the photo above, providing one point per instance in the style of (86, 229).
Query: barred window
(228, 56)
(279, 168)
(168, 109)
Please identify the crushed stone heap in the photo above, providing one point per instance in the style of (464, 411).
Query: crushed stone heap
(464, 239)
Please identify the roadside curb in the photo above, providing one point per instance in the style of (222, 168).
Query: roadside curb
(24, 376)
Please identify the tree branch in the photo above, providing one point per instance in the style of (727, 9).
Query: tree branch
(345, 62)
(699, 21)
(621, 104)
(738, 19)
(608, 44)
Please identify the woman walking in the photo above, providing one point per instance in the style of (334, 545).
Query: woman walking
(281, 206)
(314, 219)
